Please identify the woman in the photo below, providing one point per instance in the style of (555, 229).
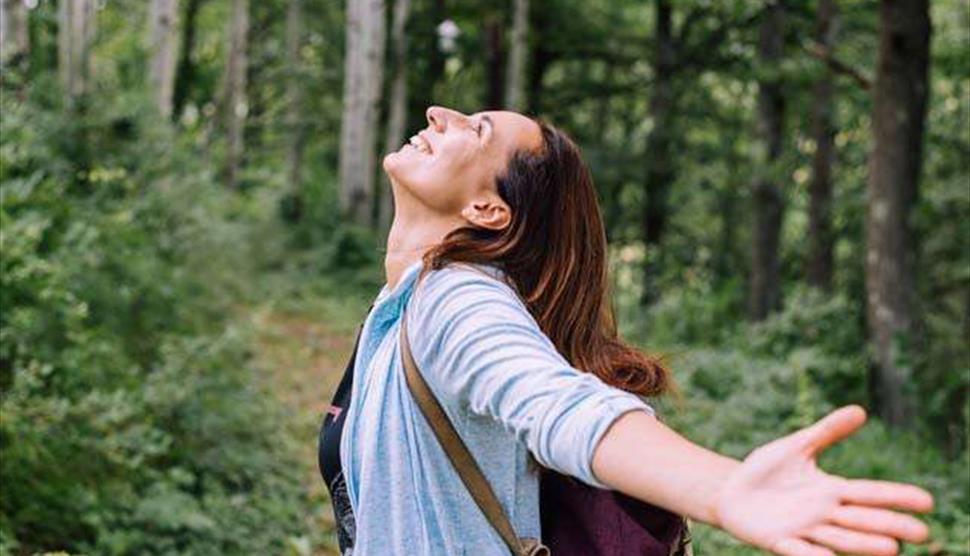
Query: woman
(498, 253)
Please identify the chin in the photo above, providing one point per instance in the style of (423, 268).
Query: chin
(389, 162)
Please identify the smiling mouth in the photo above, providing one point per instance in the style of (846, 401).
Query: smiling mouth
(419, 143)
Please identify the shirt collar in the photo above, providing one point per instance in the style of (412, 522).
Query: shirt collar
(399, 294)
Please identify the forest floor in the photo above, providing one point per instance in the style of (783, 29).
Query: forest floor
(303, 359)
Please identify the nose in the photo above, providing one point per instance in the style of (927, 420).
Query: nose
(439, 117)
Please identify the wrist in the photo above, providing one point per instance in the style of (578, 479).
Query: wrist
(716, 505)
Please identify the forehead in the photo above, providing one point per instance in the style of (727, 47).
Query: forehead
(513, 131)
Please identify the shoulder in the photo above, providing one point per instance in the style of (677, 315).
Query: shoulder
(463, 283)
(464, 295)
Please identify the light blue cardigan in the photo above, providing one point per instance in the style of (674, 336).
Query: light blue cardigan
(505, 388)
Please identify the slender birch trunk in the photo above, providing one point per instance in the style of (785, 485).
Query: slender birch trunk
(397, 114)
(235, 106)
(75, 23)
(161, 75)
(14, 39)
(363, 73)
(296, 126)
(515, 78)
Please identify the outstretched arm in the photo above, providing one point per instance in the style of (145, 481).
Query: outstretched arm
(776, 499)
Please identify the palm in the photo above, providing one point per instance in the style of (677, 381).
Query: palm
(779, 500)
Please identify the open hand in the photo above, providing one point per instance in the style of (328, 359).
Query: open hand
(779, 500)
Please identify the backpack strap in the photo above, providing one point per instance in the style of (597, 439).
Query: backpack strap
(461, 459)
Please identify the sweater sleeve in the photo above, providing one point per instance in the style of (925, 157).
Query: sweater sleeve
(479, 347)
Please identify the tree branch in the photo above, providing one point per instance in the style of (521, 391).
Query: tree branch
(824, 54)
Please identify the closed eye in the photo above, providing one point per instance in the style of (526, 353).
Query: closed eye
(481, 125)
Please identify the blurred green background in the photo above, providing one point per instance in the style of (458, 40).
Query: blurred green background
(189, 241)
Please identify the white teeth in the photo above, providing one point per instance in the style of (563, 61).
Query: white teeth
(419, 143)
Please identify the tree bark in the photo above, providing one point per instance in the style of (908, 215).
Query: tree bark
(494, 62)
(235, 106)
(14, 38)
(769, 206)
(161, 75)
(364, 63)
(397, 113)
(75, 22)
(899, 112)
(186, 67)
(515, 79)
(659, 155)
(422, 97)
(820, 236)
(297, 129)
(542, 58)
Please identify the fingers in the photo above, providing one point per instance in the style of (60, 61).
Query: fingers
(884, 522)
(845, 540)
(798, 547)
(832, 428)
(886, 494)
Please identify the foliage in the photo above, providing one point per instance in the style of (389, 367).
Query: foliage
(132, 421)
(134, 418)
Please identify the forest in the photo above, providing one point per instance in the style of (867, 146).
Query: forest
(193, 223)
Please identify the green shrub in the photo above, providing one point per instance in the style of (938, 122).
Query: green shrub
(130, 420)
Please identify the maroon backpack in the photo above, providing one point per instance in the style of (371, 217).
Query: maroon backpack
(580, 520)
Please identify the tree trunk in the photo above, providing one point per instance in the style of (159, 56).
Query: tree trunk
(14, 38)
(235, 106)
(494, 62)
(515, 79)
(75, 22)
(296, 126)
(397, 114)
(161, 73)
(820, 237)
(899, 112)
(765, 287)
(186, 67)
(364, 63)
(659, 155)
(426, 43)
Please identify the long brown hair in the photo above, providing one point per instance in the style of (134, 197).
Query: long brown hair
(554, 253)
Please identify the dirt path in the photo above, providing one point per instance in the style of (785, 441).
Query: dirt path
(304, 360)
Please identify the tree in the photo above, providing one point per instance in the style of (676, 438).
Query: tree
(297, 129)
(397, 112)
(899, 111)
(363, 73)
(768, 200)
(235, 105)
(161, 74)
(186, 67)
(14, 38)
(515, 78)
(494, 49)
(820, 238)
(75, 21)
(660, 170)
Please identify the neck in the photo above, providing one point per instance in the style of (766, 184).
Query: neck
(413, 232)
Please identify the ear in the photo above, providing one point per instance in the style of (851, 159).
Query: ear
(490, 212)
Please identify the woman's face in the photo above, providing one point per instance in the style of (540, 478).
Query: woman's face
(451, 166)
